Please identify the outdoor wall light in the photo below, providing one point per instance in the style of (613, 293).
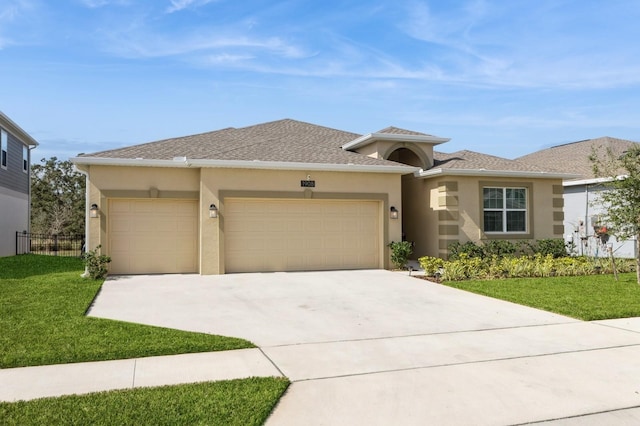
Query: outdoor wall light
(213, 211)
(393, 213)
(93, 211)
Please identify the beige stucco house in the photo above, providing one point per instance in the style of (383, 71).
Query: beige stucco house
(289, 195)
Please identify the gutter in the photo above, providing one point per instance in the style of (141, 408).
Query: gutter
(493, 173)
(590, 181)
(184, 162)
(17, 130)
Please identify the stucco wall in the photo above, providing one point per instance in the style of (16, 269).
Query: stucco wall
(14, 217)
(443, 210)
(134, 182)
(218, 183)
(209, 186)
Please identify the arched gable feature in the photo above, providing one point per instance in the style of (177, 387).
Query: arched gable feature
(407, 153)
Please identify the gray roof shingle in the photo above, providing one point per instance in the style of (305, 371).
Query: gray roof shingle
(398, 131)
(296, 142)
(278, 141)
(574, 157)
(471, 160)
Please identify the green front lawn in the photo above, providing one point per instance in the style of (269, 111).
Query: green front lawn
(43, 301)
(591, 297)
(232, 402)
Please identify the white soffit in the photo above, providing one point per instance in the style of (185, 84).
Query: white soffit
(372, 137)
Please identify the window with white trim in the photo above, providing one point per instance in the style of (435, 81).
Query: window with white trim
(25, 159)
(505, 209)
(3, 148)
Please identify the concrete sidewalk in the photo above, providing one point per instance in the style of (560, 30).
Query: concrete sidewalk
(370, 347)
(65, 379)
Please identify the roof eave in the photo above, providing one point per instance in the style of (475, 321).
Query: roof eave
(372, 137)
(493, 173)
(17, 131)
(183, 162)
(592, 181)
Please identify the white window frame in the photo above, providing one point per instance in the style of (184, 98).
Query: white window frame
(4, 149)
(504, 210)
(25, 159)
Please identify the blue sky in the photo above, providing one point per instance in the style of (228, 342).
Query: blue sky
(501, 77)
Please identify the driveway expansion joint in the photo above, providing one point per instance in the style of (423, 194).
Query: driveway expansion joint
(438, 333)
(579, 416)
(453, 364)
(272, 362)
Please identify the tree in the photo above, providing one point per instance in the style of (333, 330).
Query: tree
(621, 200)
(57, 198)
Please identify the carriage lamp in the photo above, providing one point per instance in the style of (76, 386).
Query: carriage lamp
(93, 211)
(213, 211)
(393, 213)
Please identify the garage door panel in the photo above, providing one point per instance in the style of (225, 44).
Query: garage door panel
(153, 236)
(301, 234)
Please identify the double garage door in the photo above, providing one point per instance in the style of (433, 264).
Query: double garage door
(260, 235)
(300, 235)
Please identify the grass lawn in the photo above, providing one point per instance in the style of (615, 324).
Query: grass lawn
(43, 301)
(593, 297)
(233, 402)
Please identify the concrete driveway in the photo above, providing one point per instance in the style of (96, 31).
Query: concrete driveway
(377, 347)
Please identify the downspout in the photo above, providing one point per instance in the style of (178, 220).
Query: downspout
(30, 148)
(86, 215)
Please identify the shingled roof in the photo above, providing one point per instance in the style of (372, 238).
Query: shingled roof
(398, 131)
(471, 160)
(277, 141)
(574, 157)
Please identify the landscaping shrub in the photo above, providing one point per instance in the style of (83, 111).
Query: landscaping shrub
(400, 252)
(432, 265)
(96, 264)
(553, 246)
(469, 248)
(466, 267)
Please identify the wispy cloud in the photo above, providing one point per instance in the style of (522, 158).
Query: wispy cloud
(542, 45)
(178, 5)
(11, 13)
(146, 44)
(94, 4)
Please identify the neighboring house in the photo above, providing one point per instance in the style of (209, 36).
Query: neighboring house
(289, 195)
(15, 170)
(583, 222)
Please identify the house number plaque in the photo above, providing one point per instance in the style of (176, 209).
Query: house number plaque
(308, 183)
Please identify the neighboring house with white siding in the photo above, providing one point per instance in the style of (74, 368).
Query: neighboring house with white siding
(15, 171)
(582, 211)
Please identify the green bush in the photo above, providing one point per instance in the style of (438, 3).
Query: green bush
(469, 249)
(553, 246)
(96, 264)
(496, 267)
(400, 252)
(431, 265)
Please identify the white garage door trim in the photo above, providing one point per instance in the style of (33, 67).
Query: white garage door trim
(269, 234)
(152, 236)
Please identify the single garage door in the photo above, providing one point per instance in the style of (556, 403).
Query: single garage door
(153, 236)
(264, 235)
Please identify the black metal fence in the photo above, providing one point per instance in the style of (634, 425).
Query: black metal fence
(52, 245)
